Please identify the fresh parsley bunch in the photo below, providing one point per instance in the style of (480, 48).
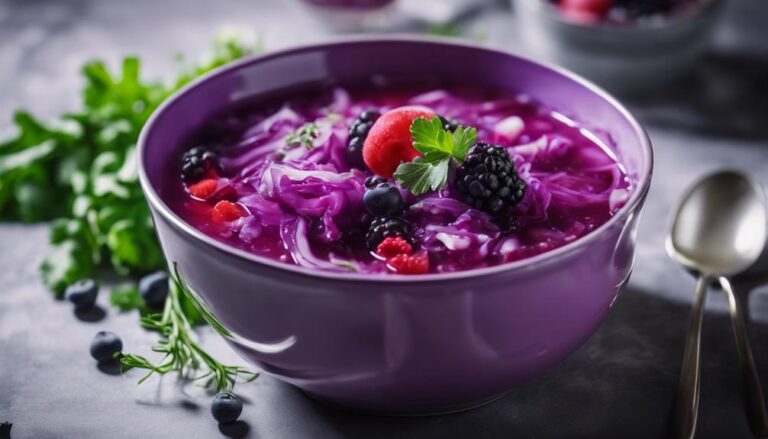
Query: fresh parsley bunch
(442, 151)
(80, 171)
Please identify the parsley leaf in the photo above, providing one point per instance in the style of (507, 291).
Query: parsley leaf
(80, 171)
(441, 149)
(125, 298)
(429, 136)
(424, 174)
(81, 168)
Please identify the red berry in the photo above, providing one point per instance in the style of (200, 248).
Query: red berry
(211, 172)
(585, 11)
(225, 211)
(410, 264)
(393, 246)
(204, 188)
(389, 142)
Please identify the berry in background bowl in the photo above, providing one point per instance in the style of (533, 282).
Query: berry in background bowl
(626, 12)
(627, 46)
(376, 231)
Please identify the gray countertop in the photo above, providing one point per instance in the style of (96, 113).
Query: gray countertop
(620, 384)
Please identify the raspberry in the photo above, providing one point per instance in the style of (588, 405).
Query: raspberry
(382, 227)
(393, 246)
(585, 11)
(389, 140)
(225, 211)
(410, 264)
(204, 188)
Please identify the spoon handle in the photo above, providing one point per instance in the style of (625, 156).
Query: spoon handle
(688, 388)
(752, 390)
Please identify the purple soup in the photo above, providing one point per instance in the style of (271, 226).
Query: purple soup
(290, 180)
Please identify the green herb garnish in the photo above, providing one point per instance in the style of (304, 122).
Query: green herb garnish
(447, 29)
(125, 298)
(81, 170)
(181, 353)
(441, 150)
(304, 135)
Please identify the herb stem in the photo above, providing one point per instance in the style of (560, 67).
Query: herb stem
(182, 353)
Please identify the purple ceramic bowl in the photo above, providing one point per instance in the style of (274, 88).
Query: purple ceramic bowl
(399, 344)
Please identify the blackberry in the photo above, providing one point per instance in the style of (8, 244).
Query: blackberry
(634, 9)
(358, 131)
(385, 227)
(488, 180)
(448, 125)
(197, 161)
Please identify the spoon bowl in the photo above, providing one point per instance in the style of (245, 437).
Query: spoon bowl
(718, 231)
(720, 227)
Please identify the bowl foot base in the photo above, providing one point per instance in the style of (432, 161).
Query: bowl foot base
(411, 412)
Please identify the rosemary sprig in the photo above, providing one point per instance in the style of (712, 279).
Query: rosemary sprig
(182, 354)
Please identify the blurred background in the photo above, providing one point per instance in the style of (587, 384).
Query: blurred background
(699, 89)
(694, 73)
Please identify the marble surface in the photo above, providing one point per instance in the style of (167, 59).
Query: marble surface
(620, 384)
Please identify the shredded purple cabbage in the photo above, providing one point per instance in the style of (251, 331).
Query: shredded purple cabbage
(305, 204)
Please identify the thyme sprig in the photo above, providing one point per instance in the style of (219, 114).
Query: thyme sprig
(304, 135)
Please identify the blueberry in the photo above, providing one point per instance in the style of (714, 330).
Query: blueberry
(154, 289)
(5, 430)
(226, 407)
(383, 201)
(375, 181)
(105, 345)
(448, 125)
(82, 293)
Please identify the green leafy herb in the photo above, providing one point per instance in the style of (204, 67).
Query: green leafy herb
(181, 353)
(81, 169)
(441, 149)
(447, 29)
(126, 298)
(305, 135)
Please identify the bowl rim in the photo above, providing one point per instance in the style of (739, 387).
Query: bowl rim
(709, 7)
(154, 200)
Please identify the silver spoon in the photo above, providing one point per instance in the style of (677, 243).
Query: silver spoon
(718, 231)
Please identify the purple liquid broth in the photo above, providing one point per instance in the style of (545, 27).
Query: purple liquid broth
(304, 205)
